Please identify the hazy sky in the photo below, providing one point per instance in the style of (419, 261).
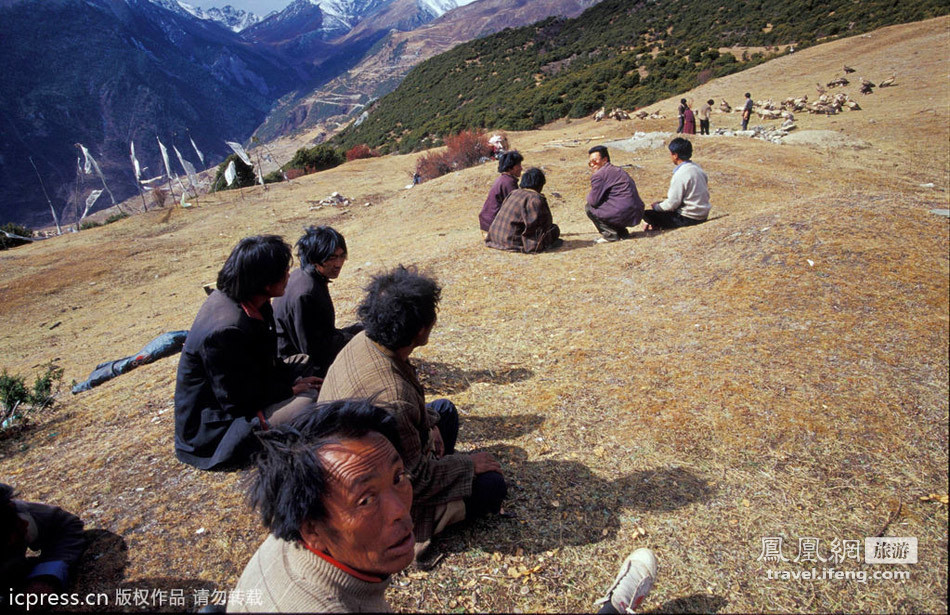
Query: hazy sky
(258, 7)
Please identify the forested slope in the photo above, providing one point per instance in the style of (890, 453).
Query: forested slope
(618, 53)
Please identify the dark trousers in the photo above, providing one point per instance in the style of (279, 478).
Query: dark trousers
(704, 127)
(668, 219)
(609, 231)
(679, 127)
(489, 488)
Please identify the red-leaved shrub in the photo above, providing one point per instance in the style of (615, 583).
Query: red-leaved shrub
(360, 151)
(293, 173)
(432, 164)
(462, 150)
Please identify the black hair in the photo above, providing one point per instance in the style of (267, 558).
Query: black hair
(682, 101)
(398, 305)
(747, 95)
(290, 484)
(509, 160)
(710, 102)
(255, 263)
(533, 179)
(599, 149)
(682, 148)
(318, 244)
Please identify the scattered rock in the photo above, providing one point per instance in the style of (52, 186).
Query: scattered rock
(941, 212)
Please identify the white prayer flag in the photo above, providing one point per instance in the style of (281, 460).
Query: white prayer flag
(135, 162)
(90, 166)
(92, 198)
(201, 156)
(230, 173)
(168, 168)
(260, 176)
(236, 147)
(89, 160)
(189, 169)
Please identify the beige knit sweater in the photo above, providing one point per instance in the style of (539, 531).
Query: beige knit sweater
(284, 577)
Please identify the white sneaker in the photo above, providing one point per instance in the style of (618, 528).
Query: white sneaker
(601, 240)
(633, 582)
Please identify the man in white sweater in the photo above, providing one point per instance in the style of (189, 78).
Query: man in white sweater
(687, 202)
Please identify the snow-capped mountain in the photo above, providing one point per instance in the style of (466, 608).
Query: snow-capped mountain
(231, 18)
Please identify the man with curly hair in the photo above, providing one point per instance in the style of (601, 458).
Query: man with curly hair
(399, 313)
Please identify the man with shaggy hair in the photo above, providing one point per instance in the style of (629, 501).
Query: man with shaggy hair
(524, 223)
(687, 202)
(509, 167)
(333, 490)
(613, 202)
(230, 381)
(335, 494)
(399, 313)
(305, 317)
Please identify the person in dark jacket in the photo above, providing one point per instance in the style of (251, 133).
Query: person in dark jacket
(306, 320)
(524, 223)
(230, 380)
(613, 202)
(509, 165)
(51, 532)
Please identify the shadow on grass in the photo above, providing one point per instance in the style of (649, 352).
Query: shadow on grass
(101, 570)
(443, 379)
(475, 428)
(697, 603)
(37, 428)
(558, 503)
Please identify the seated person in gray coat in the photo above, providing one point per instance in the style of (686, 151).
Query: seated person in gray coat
(230, 381)
(306, 320)
(613, 202)
(51, 532)
(687, 202)
(332, 489)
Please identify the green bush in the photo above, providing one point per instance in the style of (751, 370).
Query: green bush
(317, 158)
(88, 224)
(274, 176)
(116, 217)
(17, 401)
(244, 175)
(15, 229)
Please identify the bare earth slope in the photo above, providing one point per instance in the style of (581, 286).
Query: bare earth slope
(780, 371)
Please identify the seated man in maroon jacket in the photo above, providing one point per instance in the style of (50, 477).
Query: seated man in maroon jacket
(509, 165)
(613, 202)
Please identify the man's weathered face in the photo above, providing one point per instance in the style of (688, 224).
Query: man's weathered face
(595, 161)
(331, 267)
(368, 525)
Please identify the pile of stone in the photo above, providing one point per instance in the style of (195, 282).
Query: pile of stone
(334, 200)
(765, 133)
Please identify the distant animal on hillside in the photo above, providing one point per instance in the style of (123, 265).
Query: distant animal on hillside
(820, 88)
(866, 86)
(838, 83)
(848, 69)
(725, 107)
(888, 82)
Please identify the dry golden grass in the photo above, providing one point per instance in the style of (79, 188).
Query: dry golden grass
(692, 392)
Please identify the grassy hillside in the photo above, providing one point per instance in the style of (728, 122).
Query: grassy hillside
(781, 370)
(616, 54)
